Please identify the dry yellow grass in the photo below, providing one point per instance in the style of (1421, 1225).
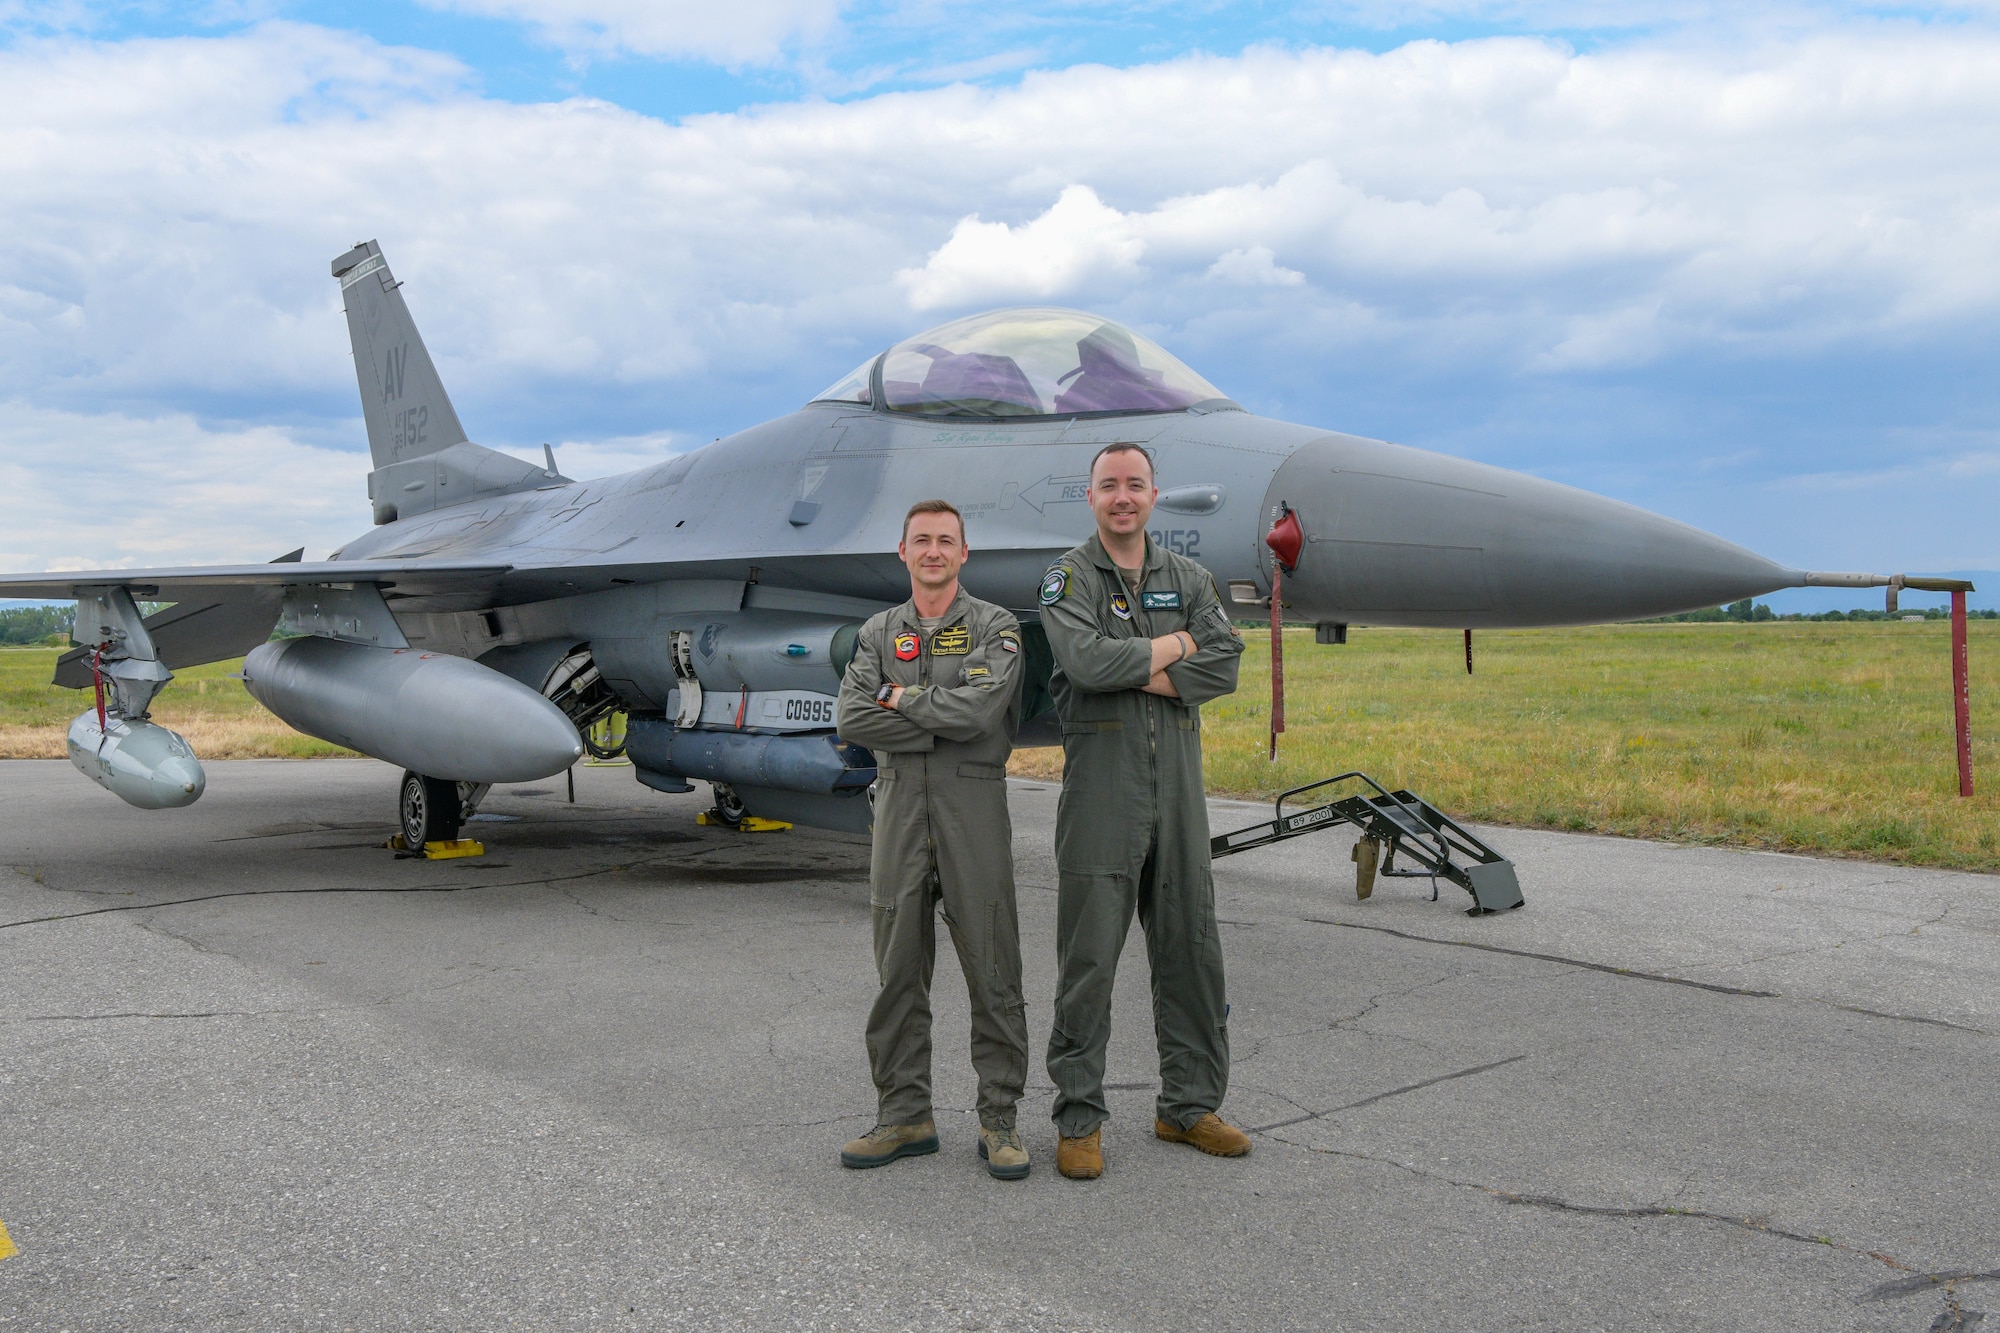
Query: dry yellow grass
(215, 713)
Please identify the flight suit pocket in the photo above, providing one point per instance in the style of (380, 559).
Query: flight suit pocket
(990, 772)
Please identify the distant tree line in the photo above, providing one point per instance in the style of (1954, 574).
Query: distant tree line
(1746, 611)
(35, 624)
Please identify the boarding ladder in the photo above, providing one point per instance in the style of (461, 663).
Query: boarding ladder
(1393, 824)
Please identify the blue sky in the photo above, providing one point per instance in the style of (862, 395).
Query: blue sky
(1739, 264)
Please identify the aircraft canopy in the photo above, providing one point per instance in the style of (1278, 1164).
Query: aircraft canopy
(1027, 362)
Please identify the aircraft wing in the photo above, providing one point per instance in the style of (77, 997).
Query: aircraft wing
(223, 611)
(411, 578)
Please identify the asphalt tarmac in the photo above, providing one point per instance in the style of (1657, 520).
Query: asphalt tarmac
(255, 1073)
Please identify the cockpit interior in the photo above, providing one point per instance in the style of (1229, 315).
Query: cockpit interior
(1031, 361)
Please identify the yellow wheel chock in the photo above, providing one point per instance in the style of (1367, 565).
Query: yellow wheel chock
(440, 851)
(748, 824)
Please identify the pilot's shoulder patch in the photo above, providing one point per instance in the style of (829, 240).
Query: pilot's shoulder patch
(1055, 584)
(1009, 641)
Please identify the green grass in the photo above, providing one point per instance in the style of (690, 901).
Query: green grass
(1830, 738)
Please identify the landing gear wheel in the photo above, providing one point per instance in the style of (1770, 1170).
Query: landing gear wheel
(729, 808)
(430, 810)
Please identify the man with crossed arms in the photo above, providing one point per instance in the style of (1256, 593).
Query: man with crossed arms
(935, 691)
(1141, 641)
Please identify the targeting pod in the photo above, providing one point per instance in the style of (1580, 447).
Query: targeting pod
(142, 763)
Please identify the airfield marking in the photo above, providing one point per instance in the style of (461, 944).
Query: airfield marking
(8, 1249)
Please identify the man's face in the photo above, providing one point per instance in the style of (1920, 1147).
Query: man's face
(933, 546)
(1122, 492)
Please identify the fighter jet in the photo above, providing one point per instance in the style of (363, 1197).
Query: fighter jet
(498, 608)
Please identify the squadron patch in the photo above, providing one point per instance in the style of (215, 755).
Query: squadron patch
(1160, 601)
(1120, 607)
(1009, 641)
(906, 647)
(951, 641)
(1054, 584)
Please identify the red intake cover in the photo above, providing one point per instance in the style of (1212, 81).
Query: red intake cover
(1286, 539)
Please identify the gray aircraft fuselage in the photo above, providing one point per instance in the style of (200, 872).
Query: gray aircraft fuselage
(708, 595)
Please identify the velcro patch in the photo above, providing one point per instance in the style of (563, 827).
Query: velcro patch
(1120, 607)
(951, 641)
(974, 673)
(1009, 641)
(1160, 601)
(906, 647)
(1054, 584)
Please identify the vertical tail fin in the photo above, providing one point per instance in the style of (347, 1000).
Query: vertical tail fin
(403, 400)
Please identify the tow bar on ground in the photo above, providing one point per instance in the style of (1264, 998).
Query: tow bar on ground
(1392, 824)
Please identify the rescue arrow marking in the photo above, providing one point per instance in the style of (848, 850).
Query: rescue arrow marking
(1054, 490)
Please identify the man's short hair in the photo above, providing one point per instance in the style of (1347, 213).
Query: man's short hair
(1122, 448)
(934, 507)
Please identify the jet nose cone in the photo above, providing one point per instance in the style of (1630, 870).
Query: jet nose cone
(1399, 536)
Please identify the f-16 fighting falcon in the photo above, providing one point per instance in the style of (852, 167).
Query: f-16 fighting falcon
(498, 608)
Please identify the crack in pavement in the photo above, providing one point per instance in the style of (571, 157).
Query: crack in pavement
(1846, 940)
(1644, 1211)
(1382, 1096)
(98, 1018)
(1634, 974)
(283, 893)
(1922, 1282)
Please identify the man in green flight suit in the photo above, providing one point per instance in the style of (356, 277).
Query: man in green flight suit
(935, 691)
(1141, 641)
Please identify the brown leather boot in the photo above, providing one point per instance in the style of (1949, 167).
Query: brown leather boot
(1081, 1159)
(1212, 1134)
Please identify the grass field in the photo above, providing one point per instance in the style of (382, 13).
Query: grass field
(215, 713)
(1804, 737)
(1831, 738)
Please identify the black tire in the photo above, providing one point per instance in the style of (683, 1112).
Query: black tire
(729, 806)
(430, 810)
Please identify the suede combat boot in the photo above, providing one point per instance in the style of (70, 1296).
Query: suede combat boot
(1003, 1154)
(885, 1143)
(1212, 1134)
(1081, 1159)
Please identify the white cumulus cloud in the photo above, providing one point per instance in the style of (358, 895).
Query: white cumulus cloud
(1506, 207)
(1077, 242)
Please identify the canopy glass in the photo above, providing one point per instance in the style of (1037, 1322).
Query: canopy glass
(1027, 362)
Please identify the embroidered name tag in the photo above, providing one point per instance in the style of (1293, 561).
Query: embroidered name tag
(906, 647)
(1120, 607)
(952, 641)
(1160, 601)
